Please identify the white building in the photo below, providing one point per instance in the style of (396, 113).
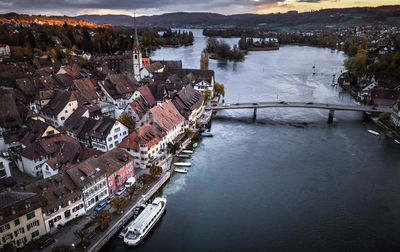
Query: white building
(60, 108)
(5, 51)
(4, 168)
(91, 180)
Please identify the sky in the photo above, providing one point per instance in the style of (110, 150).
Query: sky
(156, 7)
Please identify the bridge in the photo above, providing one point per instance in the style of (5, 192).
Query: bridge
(311, 105)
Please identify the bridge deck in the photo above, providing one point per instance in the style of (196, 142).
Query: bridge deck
(257, 105)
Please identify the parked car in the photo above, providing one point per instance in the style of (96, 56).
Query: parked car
(214, 104)
(120, 191)
(45, 242)
(374, 108)
(109, 199)
(101, 205)
(130, 182)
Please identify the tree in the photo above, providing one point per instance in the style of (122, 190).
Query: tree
(80, 234)
(127, 120)
(243, 42)
(212, 45)
(204, 60)
(357, 64)
(219, 89)
(118, 203)
(173, 147)
(102, 218)
(207, 95)
(155, 170)
(188, 132)
(132, 190)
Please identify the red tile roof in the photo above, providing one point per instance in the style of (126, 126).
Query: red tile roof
(167, 115)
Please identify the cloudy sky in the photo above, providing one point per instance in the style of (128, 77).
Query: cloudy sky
(154, 7)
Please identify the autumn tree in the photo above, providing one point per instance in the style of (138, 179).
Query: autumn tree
(127, 120)
(102, 218)
(118, 203)
(243, 42)
(155, 170)
(132, 190)
(204, 60)
(357, 64)
(219, 89)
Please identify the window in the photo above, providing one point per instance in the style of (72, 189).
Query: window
(57, 218)
(21, 241)
(115, 137)
(16, 222)
(33, 224)
(116, 130)
(35, 234)
(110, 139)
(62, 118)
(7, 237)
(30, 215)
(111, 146)
(4, 227)
(66, 111)
(19, 231)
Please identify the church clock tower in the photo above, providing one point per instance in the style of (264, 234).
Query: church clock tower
(137, 56)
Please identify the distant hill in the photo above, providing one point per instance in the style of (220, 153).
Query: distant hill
(293, 19)
(46, 20)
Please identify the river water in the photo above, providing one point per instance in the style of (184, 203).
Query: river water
(287, 181)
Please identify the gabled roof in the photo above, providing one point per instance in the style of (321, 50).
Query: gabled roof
(171, 64)
(158, 90)
(55, 191)
(147, 95)
(118, 85)
(72, 70)
(9, 115)
(36, 130)
(17, 203)
(65, 80)
(187, 100)
(102, 128)
(154, 67)
(193, 74)
(167, 115)
(58, 102)
(147, 134)
(139, 107)
(86, 89)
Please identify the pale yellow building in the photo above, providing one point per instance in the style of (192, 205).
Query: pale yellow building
(21, 218)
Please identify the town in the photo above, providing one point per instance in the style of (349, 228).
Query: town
(74, 140)
(89, 130)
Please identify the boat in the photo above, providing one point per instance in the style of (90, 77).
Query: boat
(182, 164)
(195, 145)
(180, 170)
(206, 134)
(373, 132)
(183, 156)
(397, 141)
(141, 226)
(187, 151)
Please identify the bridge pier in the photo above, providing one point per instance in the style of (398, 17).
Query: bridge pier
(330, 117)
(255, 114)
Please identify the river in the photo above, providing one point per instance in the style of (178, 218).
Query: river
(287, 181)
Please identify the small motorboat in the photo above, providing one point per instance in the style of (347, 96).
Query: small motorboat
(180, 170)
(373, 132)
(187, 151)
(397, 141)
(206, 134)
(182, 164)
(195, 145)
(183, 156)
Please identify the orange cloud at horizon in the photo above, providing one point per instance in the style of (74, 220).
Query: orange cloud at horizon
(290, 5)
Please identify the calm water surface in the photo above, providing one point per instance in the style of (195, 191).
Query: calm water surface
(287, 181)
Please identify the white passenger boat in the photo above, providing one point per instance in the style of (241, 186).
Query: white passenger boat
(183, 155)
(141, 226)
(187, 151)
(182, 164)
(373, 132)
(180, 170)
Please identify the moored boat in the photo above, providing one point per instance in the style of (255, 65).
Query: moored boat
(182, 164)
(141, 226)
(195, 145)
(206, 134)
(187, 151)
(373, 132)
(183, 156)
(180, 170)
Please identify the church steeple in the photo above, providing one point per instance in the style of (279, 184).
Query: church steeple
(136, 55)
(136, 44)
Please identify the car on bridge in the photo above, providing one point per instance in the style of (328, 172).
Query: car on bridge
(309, 103)
(283, 102)
(214, 104)
(374, 108)
(255, 103)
